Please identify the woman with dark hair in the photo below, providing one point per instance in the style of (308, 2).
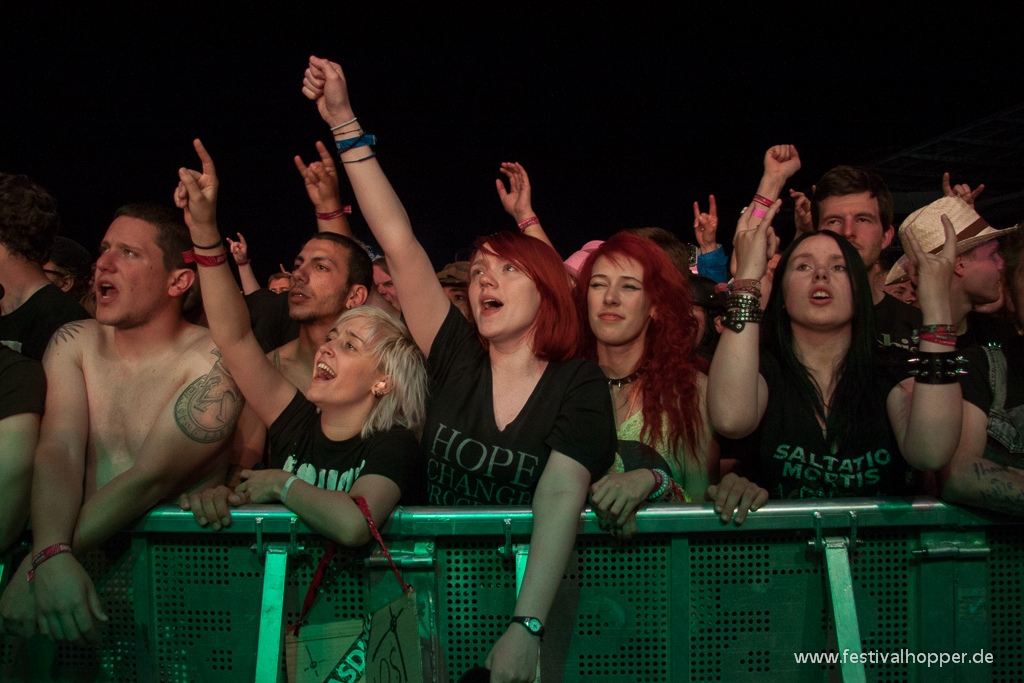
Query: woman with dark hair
(513, 419)
(636, 321)
(833, 420)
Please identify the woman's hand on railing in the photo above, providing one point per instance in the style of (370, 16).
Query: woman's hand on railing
(616, 497)
(736, 496)
(211, 505)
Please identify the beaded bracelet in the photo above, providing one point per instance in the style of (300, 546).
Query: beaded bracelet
(943, 367)
(661, 480)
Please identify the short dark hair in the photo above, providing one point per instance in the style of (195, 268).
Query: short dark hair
(844, 180)
(173, 238)
(360, 268)
(172, 235)
(669, 243)
(28, 218)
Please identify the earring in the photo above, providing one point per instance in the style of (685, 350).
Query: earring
(376, 393)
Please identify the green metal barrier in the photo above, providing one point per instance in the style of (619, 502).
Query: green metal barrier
(688, 600)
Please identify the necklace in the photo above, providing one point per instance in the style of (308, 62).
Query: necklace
(628, 379)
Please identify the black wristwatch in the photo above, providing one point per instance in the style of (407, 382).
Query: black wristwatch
(531, 624)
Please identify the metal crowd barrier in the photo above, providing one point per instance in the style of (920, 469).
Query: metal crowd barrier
(688, 600)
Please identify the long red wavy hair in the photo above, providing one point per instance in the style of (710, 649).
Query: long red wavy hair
(669, 353)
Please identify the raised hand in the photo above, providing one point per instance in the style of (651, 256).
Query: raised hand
(933, 274)
(239, 249)
(286, 272)
(802, 211)
(517, 199)
(755, 242)
(735, 496)
(963, 190)
(781, 161)
(706, 225)
(324, 83)
(196, 193)
(321, 178)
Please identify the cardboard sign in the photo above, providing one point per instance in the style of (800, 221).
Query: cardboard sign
(327, 652)
(393, 654)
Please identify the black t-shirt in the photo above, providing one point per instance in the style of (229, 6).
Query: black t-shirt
(794, 462)
(298, 445)
(985, 330)
(896, 323)
(470, 461)
(271, 324)
(22, 385)
(28, 328)
(975, 384)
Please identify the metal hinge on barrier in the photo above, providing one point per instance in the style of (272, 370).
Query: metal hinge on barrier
(506, 550)
(819, 541)
(420, 557)
(260, 548)
(946, 549)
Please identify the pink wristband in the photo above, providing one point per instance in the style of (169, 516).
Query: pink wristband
(45, 554)
(334, 214)
(763, 201)
(759, 213)
(192, 257)
(528, 222)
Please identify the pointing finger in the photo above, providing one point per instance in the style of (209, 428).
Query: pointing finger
(714, 207)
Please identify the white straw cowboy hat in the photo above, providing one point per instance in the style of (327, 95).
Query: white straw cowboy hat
(971, 230)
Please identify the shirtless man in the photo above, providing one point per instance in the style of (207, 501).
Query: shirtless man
(139, 408)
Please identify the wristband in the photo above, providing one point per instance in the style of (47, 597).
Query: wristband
(936, 338)
(749, 285)
(661, 482)
(243, 263)
(333, 214)
(763, 201)
(528, 222)
(192, 257)
(287, 485)
(212, 246)
(351, 143)
(356, 161)
(342, 125)
(45, 554)
(758, 213)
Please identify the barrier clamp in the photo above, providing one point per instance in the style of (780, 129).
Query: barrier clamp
(951, 549)
(420, 557)
(293, 547)
(506, 550)
(819, 542)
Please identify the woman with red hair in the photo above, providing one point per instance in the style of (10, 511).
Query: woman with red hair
(636, 321)
(512, 418)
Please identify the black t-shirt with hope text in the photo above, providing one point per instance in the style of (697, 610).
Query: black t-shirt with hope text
(469, 461)
(298, 445)
(794, 462)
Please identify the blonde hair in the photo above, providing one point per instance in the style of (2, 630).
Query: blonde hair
(399, 358)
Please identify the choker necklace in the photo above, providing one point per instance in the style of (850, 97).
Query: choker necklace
(628, 379)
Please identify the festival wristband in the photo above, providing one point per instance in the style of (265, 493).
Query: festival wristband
(242, 263)
(763, 201)
(192, 257)
(936, 338)
(351, 143)
(45, 554)
(287, 485)
(528, 222)
(333, 214)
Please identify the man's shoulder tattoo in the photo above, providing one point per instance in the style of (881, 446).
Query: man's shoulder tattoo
(66, 333)
(208, 408)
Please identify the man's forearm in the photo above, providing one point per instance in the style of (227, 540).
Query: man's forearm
(56, 495)
(249, 282)
(986, 484)
(120, 501)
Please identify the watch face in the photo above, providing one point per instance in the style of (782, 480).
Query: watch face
(533, 625)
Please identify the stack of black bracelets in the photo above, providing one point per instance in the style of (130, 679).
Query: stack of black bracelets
(743, 304)
(937, 367)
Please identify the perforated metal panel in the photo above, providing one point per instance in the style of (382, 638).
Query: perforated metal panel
(1006, 590)
(477, 601)
(884, 580)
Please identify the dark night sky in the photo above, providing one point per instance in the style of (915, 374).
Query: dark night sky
(623, 117)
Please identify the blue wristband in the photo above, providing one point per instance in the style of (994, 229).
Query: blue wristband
(351, 143)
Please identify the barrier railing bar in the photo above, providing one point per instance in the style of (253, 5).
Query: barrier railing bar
(268, 649)
(490, 521)
(844, 609)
